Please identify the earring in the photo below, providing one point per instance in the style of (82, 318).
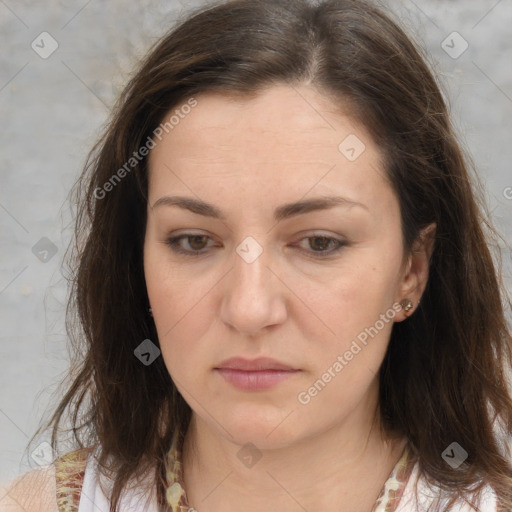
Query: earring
(407, 305)
(150, 311)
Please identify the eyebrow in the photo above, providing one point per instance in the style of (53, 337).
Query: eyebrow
(282, 212)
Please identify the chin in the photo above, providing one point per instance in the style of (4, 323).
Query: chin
(264, 429)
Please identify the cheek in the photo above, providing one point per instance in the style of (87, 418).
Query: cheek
(182, 312)
(353, 318)
(346, 349)
(352, 295)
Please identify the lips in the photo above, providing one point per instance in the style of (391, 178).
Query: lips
(254, 365)
(256, 374)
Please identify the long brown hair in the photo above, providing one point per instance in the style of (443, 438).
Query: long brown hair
(444, 377)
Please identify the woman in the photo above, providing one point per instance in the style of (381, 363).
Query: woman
(284, 282)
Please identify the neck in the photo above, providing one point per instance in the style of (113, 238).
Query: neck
(341, 468)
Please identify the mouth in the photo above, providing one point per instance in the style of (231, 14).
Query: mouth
(254, 365)
(255, 375)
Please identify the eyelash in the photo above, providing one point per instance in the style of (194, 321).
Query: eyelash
(173, 243)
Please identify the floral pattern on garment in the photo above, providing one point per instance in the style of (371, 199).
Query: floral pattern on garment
(69, 476)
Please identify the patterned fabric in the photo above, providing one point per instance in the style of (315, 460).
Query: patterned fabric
(70, 471)
(394, 486)
(69, 475)
(176, 495)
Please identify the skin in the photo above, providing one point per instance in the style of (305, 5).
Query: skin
(247, 157)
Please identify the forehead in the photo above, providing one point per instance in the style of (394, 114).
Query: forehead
(286, 139)
(280, 116)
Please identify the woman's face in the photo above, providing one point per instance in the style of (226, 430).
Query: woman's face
(315, 288)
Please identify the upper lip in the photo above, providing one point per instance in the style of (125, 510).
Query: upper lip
(262, 363)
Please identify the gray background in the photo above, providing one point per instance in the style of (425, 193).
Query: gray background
(51, 110)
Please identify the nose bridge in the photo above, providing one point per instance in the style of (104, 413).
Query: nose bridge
(250, 298)
(251, 274)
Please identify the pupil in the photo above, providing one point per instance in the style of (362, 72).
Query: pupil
(195, 239)
(316, 238)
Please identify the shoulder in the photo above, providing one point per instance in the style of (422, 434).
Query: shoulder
(47, 489)
(34, 491)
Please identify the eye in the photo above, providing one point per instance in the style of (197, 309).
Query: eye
(197, 244)
(319, 244)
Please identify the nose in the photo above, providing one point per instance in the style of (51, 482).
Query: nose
(254, 296)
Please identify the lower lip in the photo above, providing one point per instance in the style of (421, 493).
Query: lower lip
(255, 380)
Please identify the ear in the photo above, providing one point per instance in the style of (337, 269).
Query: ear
(416, 271)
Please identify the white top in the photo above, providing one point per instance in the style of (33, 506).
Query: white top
(92, 498)
(426, 495)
